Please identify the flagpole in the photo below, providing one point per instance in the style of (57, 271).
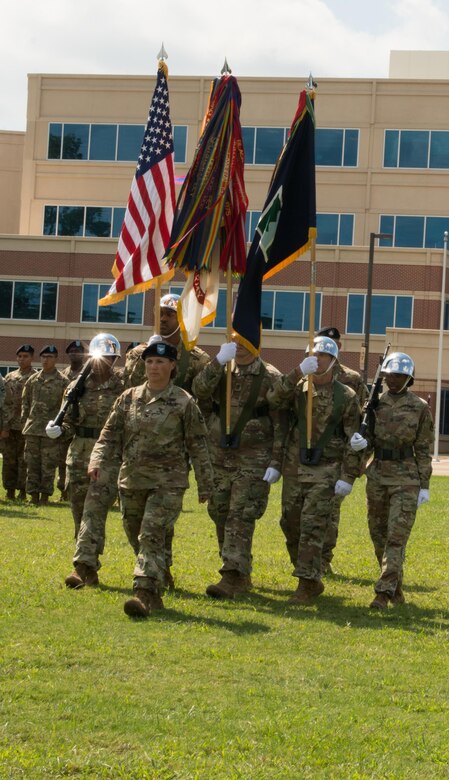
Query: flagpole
(157, 307)
(312, 299)
(228, 338)
(311, 85)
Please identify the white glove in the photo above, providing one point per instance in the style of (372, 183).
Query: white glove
(271, 476)
(423, 497)
(227, 352)
(358, 442)
(53, 431)
(309, 365)
(342, 488)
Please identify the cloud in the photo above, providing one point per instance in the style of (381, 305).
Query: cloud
(331, 38)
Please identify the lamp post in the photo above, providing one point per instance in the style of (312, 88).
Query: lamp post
(440, 350)
(369, 295)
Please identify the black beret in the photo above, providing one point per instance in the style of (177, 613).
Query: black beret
(332, 332)
(50, 349)
(76, 344)
(25, 348)
(160, 349)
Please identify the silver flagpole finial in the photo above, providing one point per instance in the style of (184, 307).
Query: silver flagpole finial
(311, 84)
(162, 54)
(225, 69)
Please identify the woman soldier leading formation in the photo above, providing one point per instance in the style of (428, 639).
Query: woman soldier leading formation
(155, 428)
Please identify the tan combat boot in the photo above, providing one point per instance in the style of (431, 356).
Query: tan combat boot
(82, 575)
(34, 499)
(380, 601)
(231, 584)
(306, 592)
(142, 603)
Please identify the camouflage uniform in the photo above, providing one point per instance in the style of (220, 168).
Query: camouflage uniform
(240, 494)
(401, 442)
(62, 483)
(308, 491)
(150, 433)
(14, 469)
(41, 400)
(347, 376)
(89, 501)
(189, 364)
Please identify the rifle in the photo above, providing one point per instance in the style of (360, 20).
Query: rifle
(374, 393)
(74, 394)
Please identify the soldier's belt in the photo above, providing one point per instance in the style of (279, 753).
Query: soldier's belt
(87, 433)
(399, 454)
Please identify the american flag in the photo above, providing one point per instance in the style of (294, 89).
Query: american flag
(149, 214)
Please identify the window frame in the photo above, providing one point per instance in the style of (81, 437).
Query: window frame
(41, 285)
(378, 295)
(105, 322)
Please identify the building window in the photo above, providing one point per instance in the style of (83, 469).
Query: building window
(413, 231)
(446, 316)
(263, 145)
(28, 300)
(88, 221)
(129, 311)
(7, 370)
(335, 229)
(387, 311)
(416, 149)
(336, 147)
(252, 218)
(280, 310)
(98, 142)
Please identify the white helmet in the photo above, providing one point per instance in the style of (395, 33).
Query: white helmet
(104, 345)
(398, 363)
(324, 344)
(170, 301)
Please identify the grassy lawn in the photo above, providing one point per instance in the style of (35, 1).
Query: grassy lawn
(248, 689)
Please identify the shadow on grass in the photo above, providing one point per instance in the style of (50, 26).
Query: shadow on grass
(362, 581)
(335, 609)
(240, 627)
(9, 511)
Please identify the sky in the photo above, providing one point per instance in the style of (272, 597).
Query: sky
(330, 38)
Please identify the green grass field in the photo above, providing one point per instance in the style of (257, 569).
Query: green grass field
(248, 689)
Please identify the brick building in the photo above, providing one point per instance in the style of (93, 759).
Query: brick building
(382, 154)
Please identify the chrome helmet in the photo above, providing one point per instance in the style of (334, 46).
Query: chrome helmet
(104, 345)
(324, 344)
(398, 363)
(170, 301)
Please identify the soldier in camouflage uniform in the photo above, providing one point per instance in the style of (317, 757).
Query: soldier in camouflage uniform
(347, 376)
(13, 442)
(246, 465)
(190, 363)
(150, 430)
(400, 437)
(75, 350)
(42, 396)
(311, 479)
(83, 421)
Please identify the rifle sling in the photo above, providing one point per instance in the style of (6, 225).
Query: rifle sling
(248, 410)
(334, 426)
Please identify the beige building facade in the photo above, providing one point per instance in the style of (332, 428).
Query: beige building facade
(382, 167)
